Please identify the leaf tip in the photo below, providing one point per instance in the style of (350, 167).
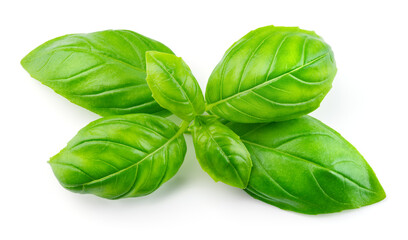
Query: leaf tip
(24, 62)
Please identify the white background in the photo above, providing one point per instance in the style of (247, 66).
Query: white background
(367, 105)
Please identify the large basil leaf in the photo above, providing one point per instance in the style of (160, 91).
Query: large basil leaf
(121, 156)
(104, 72)
(271, 74)
(304, 166)
(173, 85)
(220, 152)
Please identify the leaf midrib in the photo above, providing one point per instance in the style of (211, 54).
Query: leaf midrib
(210, 106)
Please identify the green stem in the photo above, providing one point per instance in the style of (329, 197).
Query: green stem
(183, 128)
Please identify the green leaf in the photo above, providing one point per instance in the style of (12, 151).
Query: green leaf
(220, 152)
(104, 72)
(173, 85)
(271, 74)
(304, 166)
(121, 156)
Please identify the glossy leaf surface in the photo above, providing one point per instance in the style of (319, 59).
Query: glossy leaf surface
(104, 72)
(271, 74)
(173, 85)
(304, 166)
(220, 152)
(121, 156)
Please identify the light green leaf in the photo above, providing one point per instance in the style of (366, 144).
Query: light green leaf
(220, 152)
(173, 85)
(271, 74)
(304, 166)
(121, 156)
(104, 72)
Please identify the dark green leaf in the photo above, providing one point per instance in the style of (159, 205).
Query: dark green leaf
(121, 156)
(271, 74)
(173, 85)
(104, 72)
(220, 152)
(304, 166)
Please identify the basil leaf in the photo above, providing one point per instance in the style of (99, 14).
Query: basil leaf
(220, 152)
(173, 85)
(121, 156)
(104, 72)
(304, 166)
(271, 74)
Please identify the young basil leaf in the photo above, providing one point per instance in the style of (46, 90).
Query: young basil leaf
(104, 72)
(304, 166)
(220, 152)
(271, 74)
(173, 85)
(121, 156)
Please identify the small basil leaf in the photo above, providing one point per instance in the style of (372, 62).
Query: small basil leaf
(220, 152)
(121, 156)
(173, 85)
(304, 166)
(104, 72)
(271, 74)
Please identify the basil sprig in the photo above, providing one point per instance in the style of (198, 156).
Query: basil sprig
(255, 137)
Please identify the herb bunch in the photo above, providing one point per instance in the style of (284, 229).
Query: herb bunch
(250, 131)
